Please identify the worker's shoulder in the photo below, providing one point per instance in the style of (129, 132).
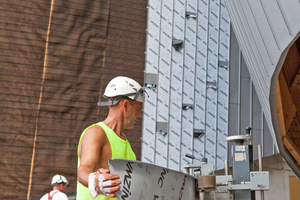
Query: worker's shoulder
(95, 128)
(45, 197)
(60, 196)
(55, 195)
(95, 131)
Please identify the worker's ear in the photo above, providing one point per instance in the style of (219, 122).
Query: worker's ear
(126, 104)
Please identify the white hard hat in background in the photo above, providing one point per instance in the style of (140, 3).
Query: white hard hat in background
(124, 86)
(58, 179)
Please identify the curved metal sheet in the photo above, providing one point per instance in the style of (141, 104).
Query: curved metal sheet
(142, 181)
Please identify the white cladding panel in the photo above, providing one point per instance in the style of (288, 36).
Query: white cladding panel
(190, 78)
(200, 79)
(223, 89)
(176, 96)
(188, 83)
(151, 67)
(163, 87)
(175, 115)
(212, 70)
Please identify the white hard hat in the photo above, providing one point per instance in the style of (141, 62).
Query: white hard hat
(124, 86)
(57, 179)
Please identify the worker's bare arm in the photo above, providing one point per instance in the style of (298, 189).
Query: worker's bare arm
(89, 151)
(94, 152)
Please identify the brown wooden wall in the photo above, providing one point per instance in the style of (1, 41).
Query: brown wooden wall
(47, 101)
(288, 102)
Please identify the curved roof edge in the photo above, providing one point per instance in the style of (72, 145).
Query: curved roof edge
(265, 33)
(276, 129)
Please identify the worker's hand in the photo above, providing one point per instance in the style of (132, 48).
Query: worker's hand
(102, 182)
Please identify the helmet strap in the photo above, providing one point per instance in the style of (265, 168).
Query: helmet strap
(112, 102)
(141, 90)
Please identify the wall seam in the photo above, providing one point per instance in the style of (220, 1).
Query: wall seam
(40, 100)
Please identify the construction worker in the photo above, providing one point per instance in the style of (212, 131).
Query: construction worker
(104, 140)
(59, 184)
